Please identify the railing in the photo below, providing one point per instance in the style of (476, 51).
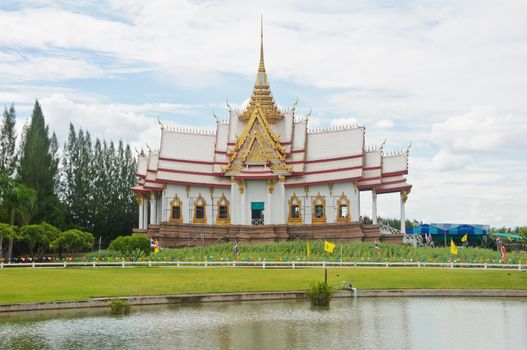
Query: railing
(267, 264)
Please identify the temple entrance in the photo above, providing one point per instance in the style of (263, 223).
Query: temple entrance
(257, 213)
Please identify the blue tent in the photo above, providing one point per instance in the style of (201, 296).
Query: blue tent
(450, 229)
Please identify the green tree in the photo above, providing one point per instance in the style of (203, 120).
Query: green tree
(7, 232)
(7, 142)
(37, 168)
(17, 208)
(74, 241)
(39, 237)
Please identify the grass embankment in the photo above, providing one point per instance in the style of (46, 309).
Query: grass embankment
(296, 251)
(38, 285)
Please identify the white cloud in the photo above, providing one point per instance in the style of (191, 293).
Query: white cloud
(483, 129)
(343, 121)
(384, 124)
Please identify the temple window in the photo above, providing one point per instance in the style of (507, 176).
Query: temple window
(343, 212)
(295, 212)
(223, 217)
(175, 210)
(319, 210)
(200, 216)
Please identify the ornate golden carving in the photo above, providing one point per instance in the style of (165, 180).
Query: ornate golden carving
(281, 178)
(330, 187)
(270, 185)
(318, 215)
(342, 202)
(295, 211)
(306, 189)
(241, 185)
(211, 191)
(176, 202)
(138, 198)
(187, 188)
(200, 202)
(223, 202)
(404, 196)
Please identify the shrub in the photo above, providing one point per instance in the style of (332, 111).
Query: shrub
(129, 245)
(39, 237)
(74, 241)
(119, 307)
(319, 294)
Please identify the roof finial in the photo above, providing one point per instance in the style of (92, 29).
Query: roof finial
(261, 67)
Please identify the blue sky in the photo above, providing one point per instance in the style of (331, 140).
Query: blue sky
(448, 76)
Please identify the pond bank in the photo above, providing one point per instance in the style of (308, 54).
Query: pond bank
(254, 296)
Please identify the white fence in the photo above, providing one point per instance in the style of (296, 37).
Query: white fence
(266, 265)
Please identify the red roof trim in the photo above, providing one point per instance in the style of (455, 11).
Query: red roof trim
(185, 172)
(191, 161)
(396, 189)
(369, 178)
(404, 172)
(136, 190)
(257, 172)
(256, 177)
(193, 183)
(321, 182)
(372, 168)
(324, 160)
(394, 182)
(327, 171)
(298, 151)
(220, 152)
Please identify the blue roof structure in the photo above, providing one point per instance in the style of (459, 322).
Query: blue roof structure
(449, 229)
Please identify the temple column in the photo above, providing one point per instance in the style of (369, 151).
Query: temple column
(268, 209)
(233, 210)
(141, 213)
(153, 208)
(145, 213)
(404, 197)
(283, 200)
(241, 188)
(374, 206)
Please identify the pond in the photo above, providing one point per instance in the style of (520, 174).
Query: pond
(363, 323)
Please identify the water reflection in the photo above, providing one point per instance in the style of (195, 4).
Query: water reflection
(364, 323)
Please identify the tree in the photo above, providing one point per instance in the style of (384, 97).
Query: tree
(17, 208)
(7, 142)
(6, 232)
(39, 237)
(38, 169)
(74, 241)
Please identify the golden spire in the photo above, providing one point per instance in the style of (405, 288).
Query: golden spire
(261, 67)
(262, 93)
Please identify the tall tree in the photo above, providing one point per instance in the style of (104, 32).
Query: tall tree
(37, 168)
(7, 142)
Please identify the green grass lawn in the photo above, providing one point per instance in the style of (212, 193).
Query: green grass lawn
(29, 285)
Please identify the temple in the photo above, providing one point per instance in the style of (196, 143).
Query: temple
(263, 175)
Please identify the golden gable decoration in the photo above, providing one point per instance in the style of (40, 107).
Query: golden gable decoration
(200, 211)
(295, 211)
(343, 202)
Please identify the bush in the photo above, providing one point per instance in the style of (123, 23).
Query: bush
(119, 307)
(129, 245)
(319, 294)
(74, 241)
(39, 237)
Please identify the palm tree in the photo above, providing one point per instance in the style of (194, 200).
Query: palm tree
(19, 203)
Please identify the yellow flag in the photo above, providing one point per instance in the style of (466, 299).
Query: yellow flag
(329, 247)
(464, 238)
(308, 249)
(156, 249)
(453, 248)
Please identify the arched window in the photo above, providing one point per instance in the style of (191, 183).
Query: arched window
(319, 210)
(200, 215)
(223, 217)
(295, 212)
(343, 209)
(176, 212)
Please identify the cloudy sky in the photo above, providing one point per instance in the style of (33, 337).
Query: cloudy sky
(448, 76)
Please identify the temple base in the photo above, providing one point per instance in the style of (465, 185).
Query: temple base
(187, 235)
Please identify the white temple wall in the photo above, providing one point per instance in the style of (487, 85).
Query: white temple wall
(255, 191)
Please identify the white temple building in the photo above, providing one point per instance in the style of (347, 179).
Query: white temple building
(264, 167)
